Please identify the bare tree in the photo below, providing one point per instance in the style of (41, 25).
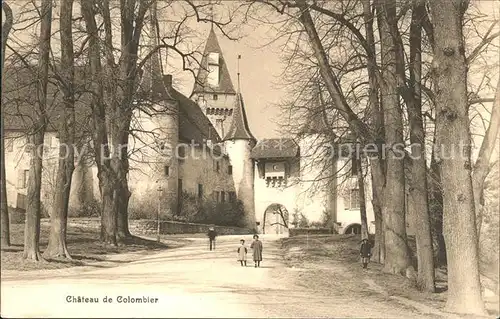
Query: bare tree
(36, 139)
(6, 27)
(59, 216)
(452, 127)
(482, 165)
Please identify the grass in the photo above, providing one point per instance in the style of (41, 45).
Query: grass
(332, 262)
(84, 247)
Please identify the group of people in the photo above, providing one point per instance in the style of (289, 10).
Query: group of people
(256, 246)
(242, 250)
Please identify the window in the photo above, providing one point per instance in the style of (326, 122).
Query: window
(354, 199)
(230, 169)
(54, 142)
(216, 166)
(166, 170)
(21, 201)
(22, 178)
(232, 196)
(215, 97)
(222, 197)
(200, 191)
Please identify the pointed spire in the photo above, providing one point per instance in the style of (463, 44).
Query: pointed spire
(239, 129)
(225, 84)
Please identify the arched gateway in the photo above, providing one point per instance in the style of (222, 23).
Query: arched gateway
(276, 219)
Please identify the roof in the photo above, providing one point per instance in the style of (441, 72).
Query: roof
(19, 96)
(275, 148)
(193, 124)
(239, 125)
(19, 101)
(225, 85)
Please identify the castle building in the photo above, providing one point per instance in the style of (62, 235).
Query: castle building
(203, 146)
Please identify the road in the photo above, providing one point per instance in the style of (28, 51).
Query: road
(188, 282)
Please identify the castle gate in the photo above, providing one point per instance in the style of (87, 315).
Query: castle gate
(276, 219)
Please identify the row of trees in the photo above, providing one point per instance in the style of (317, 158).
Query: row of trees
(97, 69)
(381, 68)
(396, 73)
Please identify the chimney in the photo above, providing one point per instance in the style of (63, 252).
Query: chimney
(167, 80)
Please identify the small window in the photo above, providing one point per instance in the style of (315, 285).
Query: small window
(230, 170)
(354, 199)
(21, 201)
(22, 178)
(215, 97)
(222, 197)
(166, 170)
(200, 191)
(216, 166)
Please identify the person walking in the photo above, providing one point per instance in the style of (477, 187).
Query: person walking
(211, 237)
(365, 252)
(257, 250)
(242, 253)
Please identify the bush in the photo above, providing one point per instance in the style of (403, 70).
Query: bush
(192, 210)
(88, 209)
(208, 211)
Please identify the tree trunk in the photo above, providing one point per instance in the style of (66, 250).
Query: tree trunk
(453, 142)
(393, 211)
(100, 138)
(33, 211)
(436, 211)
(482, 165)
(418, 198)
(123, 194)
(377, 191)
(362, 197)
(376, 119)
(57, 246)
(5, 227)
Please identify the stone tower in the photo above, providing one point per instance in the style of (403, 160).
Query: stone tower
(213, 90)
(239, 143)
(164, 109)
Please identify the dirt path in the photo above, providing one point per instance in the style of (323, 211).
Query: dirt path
(193, 282)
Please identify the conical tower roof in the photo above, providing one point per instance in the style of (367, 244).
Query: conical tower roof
(239, 129)
(225, 83)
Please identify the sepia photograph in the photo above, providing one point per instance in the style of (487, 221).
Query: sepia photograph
(250, 159)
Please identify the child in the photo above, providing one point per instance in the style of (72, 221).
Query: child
(242, 253)
(365, 252)
(257, 250)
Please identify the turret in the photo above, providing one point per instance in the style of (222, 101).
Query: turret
(239, 143)
(164, 109)
(213, 89)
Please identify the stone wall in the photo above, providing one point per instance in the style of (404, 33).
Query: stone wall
(147, 227)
